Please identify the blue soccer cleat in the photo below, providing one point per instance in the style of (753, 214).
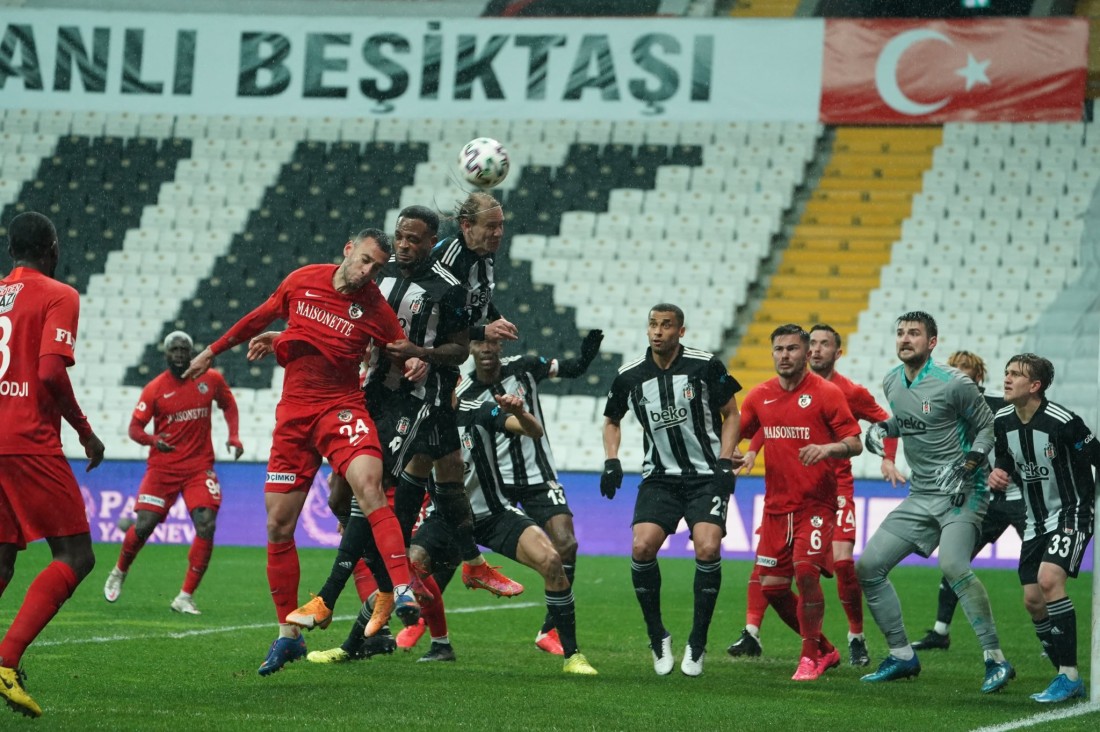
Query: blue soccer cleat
(283, 651)
(997, 675)
(892, 669)
(1060, 690)
(406, 608)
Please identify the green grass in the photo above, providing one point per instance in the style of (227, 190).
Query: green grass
(136, 665)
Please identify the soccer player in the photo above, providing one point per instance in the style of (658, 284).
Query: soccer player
(39, 497)
(684, 400)
(948, 432)
(527, 469)
(181, 462)
(333, 313)
(1006, 509)
(499, 525)
(823, 354)
(1050, 453)
(806, 424)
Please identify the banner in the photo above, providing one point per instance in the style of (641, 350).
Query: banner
(922, 72)
(602, 526)
(411, 67)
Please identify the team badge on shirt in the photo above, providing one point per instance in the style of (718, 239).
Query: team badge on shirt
(403, 426)
(467, 441)
(816, 522)
(804, 400)
(841, 501)
(7, 296)
(1049, 451)
(926, 407)
(521, 391)
(355, 311)
(416, 305)
(689, 392)
(203, 388)
(344, 415)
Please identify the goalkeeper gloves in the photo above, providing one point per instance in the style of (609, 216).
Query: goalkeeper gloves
(725, 481)
(951, 478)
(873, 441)
(612, 478)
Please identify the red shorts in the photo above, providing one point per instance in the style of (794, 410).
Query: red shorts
(339, 431)
(159, 490)
(806, 535)
(39, 498)
(845, 519)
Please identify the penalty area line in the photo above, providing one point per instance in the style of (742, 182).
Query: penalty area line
(254, 626)
(1036, 719)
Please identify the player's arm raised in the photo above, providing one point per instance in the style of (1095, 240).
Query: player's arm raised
(520, 421)
(243, 330)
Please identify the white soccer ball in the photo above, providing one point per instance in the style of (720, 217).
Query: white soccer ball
(484, 162)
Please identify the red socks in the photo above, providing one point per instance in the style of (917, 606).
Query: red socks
(785, 603)
(433, 611)
(755, 603)
(390, 543)
(131, 545)
(49, 591)
(364, 580)
(811, 609)
(851, 597)
(198, 559)
(283, 575)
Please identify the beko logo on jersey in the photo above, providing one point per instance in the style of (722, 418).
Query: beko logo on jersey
(282, 478)
(786, 432)
(669, 417)
(1033, 471)
(911, 423)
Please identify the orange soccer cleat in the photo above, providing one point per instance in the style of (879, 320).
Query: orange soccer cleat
(383, 608)
(485, 577)
(314, 614)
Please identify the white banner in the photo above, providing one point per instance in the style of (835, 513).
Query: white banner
(677, 69)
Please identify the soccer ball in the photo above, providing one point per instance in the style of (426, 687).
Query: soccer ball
(484, 162)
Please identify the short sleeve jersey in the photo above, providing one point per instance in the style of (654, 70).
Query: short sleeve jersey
(181, 409)
(1051, 458)
(813, 413)
(678, 409)
(479, 423)
(38, 317)
(939, 416)
(521, 460)
(327, 333)
(863, 406)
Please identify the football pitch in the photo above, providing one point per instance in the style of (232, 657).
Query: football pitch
(136, 665)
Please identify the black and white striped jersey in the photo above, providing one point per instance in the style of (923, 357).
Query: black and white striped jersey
(473, 271)
(431, 306)
(479, 424)
(678, 410)
(521, 460)
(1051, 458)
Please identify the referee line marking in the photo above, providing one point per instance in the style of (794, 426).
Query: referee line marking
(1075, 711)
(254, 626)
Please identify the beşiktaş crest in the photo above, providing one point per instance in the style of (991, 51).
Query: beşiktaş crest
(926, 407)
(689, 392)
(403, 426)
(1049, 451)
(416, 305)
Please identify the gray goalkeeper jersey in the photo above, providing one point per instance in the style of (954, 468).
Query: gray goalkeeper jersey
(939, 417)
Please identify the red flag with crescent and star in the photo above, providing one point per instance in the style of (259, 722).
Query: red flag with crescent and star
(930, 72)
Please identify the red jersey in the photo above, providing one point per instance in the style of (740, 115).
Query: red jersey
(181, 409)
(38, 317)
(814, 413)
(864, 407)
(327, 333)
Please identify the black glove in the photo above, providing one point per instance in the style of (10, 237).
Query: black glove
(876, 433)
(725, 480)
(590, 346)
(952, 478)
(612, 478)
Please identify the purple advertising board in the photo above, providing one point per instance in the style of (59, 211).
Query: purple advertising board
(602, 526)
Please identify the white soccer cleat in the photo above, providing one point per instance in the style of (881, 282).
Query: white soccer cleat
(185, 604)
(692, 665)
(663, 661)
(112, 588)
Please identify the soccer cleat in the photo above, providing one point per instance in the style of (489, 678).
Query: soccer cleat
(1060, 690)
(692, 663)
(332, 655)
(488, 578)
(809, 669)
(828, 661)
(549, 642)
(406, 608)
(376, 645)
(380, 613)
(185, 604)
(11, 688)
(746, 645)
(112, 588)
(997, 676)
(892, 669)
(857, 652)
(314, 614)
(438, 652)
(663, 659)
(410, 636)
(932, 641)
(578, 664)
(282, 652)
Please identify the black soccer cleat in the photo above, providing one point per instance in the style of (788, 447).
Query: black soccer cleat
(438, 652)
(746, 645)
(932, 641)
(857, 652)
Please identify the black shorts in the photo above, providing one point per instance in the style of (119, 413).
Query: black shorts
(1000, 515)
(541, 501)
(1065, 549)
(501, 531)
(408, 426)
(667, 499)
(436, 537)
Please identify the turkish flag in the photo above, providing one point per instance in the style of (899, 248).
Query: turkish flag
(930, 72)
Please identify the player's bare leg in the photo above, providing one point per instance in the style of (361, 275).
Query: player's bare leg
(646, 575)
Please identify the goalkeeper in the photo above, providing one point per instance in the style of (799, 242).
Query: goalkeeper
(946, 430)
